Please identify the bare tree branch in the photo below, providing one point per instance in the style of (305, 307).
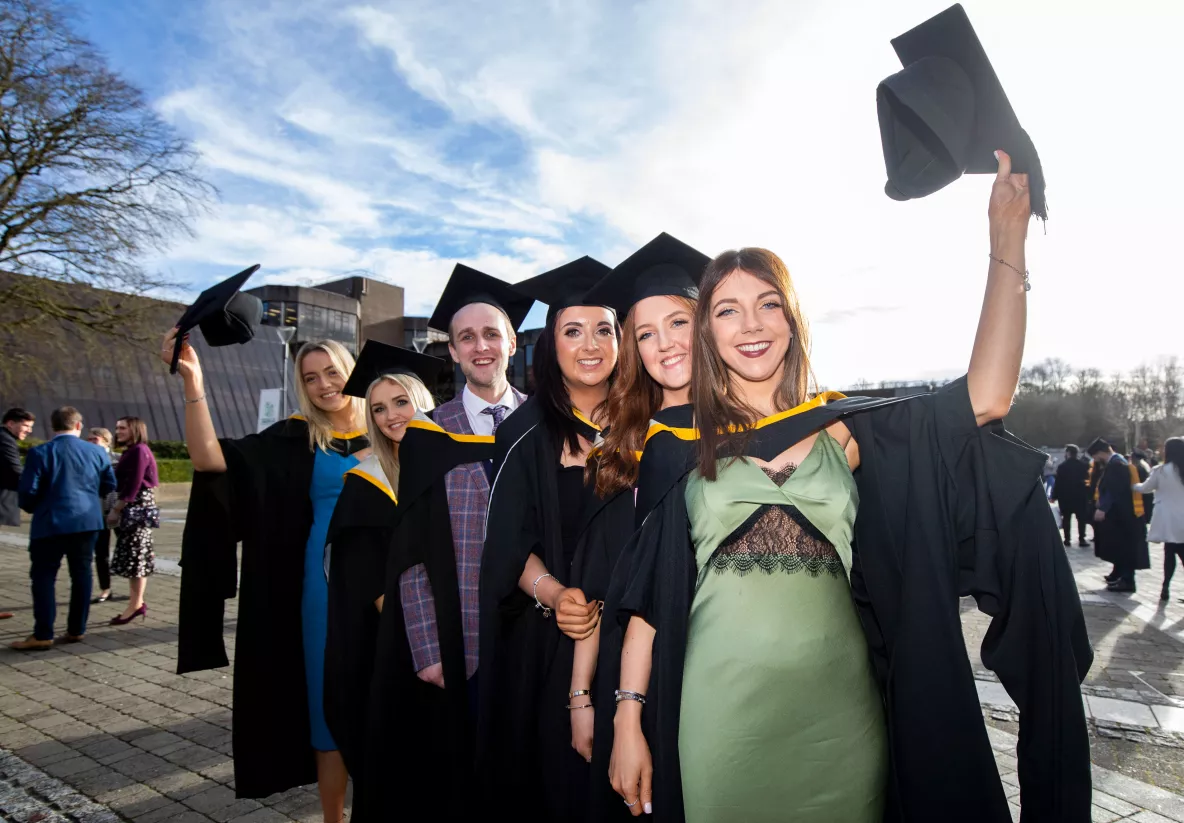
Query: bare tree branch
(92, 180)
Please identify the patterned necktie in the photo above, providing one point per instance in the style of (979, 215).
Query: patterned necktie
(498, 413)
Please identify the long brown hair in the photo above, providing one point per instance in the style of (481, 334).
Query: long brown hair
(633, 399)
(723, 420)
(138, 430)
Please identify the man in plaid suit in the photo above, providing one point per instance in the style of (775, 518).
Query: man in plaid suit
(480, 314)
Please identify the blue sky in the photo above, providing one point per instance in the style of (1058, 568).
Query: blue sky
(397, 137)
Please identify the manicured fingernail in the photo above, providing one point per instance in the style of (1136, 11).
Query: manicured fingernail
(996, 154)
(649, 808)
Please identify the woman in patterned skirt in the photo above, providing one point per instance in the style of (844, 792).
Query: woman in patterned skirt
(134, 514)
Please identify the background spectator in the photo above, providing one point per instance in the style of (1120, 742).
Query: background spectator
(134, 514)
(61, 486)
(1071, 492)
(18, 424)
(1167, 523)
(102, 438)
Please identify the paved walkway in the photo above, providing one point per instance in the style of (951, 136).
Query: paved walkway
(104, 730)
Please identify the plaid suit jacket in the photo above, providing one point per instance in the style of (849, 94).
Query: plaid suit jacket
(467, 487)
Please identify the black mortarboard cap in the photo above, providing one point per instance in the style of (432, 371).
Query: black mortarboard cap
(565, 286)
(224, 314)
(467, 286)
(663, 266)
(945, 113)
(377, 359)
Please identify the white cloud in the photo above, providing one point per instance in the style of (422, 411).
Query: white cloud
(517, 135)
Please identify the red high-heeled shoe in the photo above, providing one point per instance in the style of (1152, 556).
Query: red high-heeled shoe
(121, 621)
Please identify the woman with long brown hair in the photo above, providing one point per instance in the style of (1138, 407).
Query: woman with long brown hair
(134, 515)
(547, 531)
(654, 290)
(787, 660)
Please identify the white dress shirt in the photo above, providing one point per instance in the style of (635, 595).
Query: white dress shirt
(474, 405)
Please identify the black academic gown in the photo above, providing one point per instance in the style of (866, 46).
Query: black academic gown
(524, 733)
(603, 801)
(419, 746)
(1122, 536)
(946, 509)
(261, 500)
(356, 552)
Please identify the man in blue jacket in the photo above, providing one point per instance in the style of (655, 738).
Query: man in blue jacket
(62, 486)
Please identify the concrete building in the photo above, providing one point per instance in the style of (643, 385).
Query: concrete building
(117, 377)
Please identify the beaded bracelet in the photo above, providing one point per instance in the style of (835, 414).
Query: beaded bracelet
(538, 604)
(624, 695)
(1023, 274)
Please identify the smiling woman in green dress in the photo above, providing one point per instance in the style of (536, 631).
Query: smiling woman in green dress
(776, 710)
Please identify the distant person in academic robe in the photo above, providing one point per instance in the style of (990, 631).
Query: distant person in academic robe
(1142, 465)
(654, 291)
(1119, 526)
(1166, 481)
(1070, 491)
(274, 491)
(548, 535)
(18, 424)
(391, 380)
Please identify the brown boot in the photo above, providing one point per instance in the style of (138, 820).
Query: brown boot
(32, 644)
(69, 638)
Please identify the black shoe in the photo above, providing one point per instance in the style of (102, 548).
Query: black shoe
(102, 598)
(1068, 543)
(1084, 544)
(1122, 586)
(1110, 578)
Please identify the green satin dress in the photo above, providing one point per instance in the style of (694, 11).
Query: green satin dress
(781, 719)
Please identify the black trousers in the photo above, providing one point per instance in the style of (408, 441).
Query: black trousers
(1066, 516)
(1170, 550)
(103, 559)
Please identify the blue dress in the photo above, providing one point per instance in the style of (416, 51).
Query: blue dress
(328, 470)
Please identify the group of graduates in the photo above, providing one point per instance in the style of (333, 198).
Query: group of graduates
(1108, 493)
(675, 581)
(573, 606)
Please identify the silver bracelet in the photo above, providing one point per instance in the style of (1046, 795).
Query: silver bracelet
(535, 591)
(189, 402)
(624, 695)
(1023, 274)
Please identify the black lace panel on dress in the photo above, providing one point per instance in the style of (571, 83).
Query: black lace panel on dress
(777, 539)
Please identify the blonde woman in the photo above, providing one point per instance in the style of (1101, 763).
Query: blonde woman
(275, 492)
(392, 381)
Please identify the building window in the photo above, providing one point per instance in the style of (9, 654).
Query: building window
(273, 310)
